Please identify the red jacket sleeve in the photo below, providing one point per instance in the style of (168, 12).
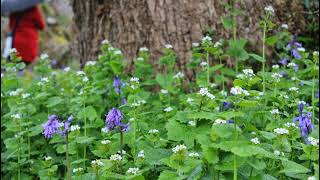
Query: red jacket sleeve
(40, 23)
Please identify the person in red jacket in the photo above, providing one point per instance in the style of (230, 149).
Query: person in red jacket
(25, 39)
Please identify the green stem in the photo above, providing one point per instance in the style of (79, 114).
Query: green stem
(85, 135)
(222, 75)
(121, 147)
(19, 153)
(235, 169)
(313, 99)
(208, 69)
(68, 159)
(263, 56)
(29, 147)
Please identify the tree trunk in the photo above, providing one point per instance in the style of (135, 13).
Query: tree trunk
(131, 24)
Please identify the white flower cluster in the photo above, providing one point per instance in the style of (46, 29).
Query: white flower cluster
(168, 46)
(105, 130)
(290, 124)
(269, 9)
(47, 158)
(203, 64)
(153, 131)
(255, 140)
(44, 56)
(194, 154)
(140, 59)
(291, 64)
(248, 73)
(164, 91)
(239, 91)
(77, 170)
(179, 148)
(312, 178)
(179, 75)
(220, 121)
(192, 123)
(26, 95)
(293, 89)
(133, 171)
(97, 162)
(16, 92)
(276, 77)
(105, 142)
(74, 127)
(105, 41)
(13, 50)
(190, 100)
(217, 44)
(138, 103)
(118, 52)
(315, 53)
(284, 96)
(281, 131)
(275, 111)
(284, 26)
(91, 63)
(301, 49)
(141, 154)
(205, 92)
(206, 39)
(85, 79)
(313, 141)
(115, 157)
(168, 109)
(16, 116)
(123, 152)
(276, 66)
(302, 102)
(195, 44)
(67, 69)
(278, 153)
(143, 49)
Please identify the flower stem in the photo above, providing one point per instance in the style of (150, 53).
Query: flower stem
(121, 147)
(313, 91)
(263, 57)
(222, 74)
(68, 159)
(85, 135)
(235, 170)
(208, 69)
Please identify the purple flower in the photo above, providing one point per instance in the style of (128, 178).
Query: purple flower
(117, 83)
(292, 46)
(284, 61)
(301, 83)
(295, 54)
(305, 124)
(125, 127)
(226, 105)
(283, 73)
(113, 120)
(230, 121)
(296, 67)
(20, 72)
(51, 126)
(66, 126)
(300, 107)
(124, 101)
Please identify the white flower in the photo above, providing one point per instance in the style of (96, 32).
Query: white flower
(292, 64)
(205, 92)
(47, 158)
(206, 39)
(163, 91)
(194, 154)
(2, 75)
(97, 162)
(260, 93)
(276, 77)
(269, 9)
(168, 109)
(134, 79)
(44, 56)
(168, 46)
(203, 64)
(192, 123)
(248, 72)
(91, 63)
(240, 76)
(315, 53)
(140, 59)
(105, 130)
(312, 178)
(195, 44)
(105, 41)
(293, 89)
(284, 26)
(253, 133)
(178, 75)
(301, 49)
(141, 154)
(77, 170)
(85, 79)
(115, 157)
(276, 152)
(117, 52)
(275, 111)
(80, 73)
(313, 141)
(123, 152)
(25, 95)
(133, 87)
(210, 96)
(45, 79)
(67, 69)
(224, 93)
(190, 100)
(74, 127)
(153, 131)
(13, 50)
(255, 140)
(281, 131)
(143, 49)
(239, 91)
(290, 124)
(179, 148)
(133, 171)
(111, 49)
(217, 44)
(16, 116)
(220, 121)
(276, 66)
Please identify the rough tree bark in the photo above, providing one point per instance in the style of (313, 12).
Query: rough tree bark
(131, 24)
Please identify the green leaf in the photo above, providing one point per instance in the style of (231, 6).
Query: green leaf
(236, 49)
(227, 23)
(84, 140)
(257, 57)
(166, 175)
(293, 167)
(201, 115)
(222, 130)
(247, 103)
(54, 101)
(268, 135)
(210, 154)
(165, 80)
(272, 40)
(88, 112)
